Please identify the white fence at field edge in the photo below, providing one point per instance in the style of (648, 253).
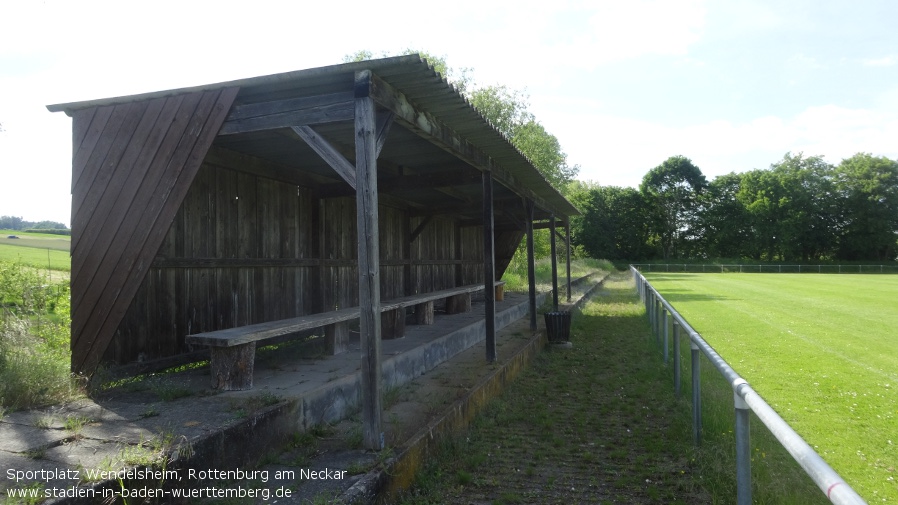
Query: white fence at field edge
(662, 317)
(766, 269)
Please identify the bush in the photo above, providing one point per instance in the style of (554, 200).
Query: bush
(35, 332)
(51, 231)
(32, 373)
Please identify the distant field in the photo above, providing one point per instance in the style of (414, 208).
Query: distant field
(821, 349)
(36, 249)
(41, 240)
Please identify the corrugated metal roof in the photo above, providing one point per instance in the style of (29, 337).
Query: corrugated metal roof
(411, 75)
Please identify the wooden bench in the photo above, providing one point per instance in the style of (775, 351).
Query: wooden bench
(233, 350)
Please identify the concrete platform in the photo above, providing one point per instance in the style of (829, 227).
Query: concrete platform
(220, 443)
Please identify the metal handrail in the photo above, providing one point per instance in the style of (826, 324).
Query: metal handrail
(659, 311)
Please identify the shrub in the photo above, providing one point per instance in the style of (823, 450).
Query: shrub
(34, 339)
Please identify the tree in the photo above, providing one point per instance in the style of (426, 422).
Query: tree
(723, 222)
(615, 224)
(673, 188)
(48, 225)
(544, 151)
(867, 188)
(504, 108)
(760, 193)
(793, 208)
(11, 223)
(808, 207)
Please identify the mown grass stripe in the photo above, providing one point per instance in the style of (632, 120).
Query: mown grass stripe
(819, 348)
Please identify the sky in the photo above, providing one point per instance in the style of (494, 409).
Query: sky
(733, 85)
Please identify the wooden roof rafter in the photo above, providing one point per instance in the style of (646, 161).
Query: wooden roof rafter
(428, 126)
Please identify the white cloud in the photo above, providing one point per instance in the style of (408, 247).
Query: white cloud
(622, 30)
(885, 61)
(619, 151)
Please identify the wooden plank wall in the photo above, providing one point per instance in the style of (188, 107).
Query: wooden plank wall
(246, 249)
(131, 167)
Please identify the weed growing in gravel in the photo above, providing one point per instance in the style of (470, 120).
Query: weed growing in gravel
(573, 427)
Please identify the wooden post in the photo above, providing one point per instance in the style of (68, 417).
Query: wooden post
(424, 313)
(531, 266)
(369, 260)
(392, 323)
(489, 258)
(458, 255)
(554, 264)
(336, 338)
(567, 235)
(232, 367)
(456, 304)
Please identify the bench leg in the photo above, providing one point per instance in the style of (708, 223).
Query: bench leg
(337, 338)
(458, 303)
(424, 313)
(232, 367)
(392, 323)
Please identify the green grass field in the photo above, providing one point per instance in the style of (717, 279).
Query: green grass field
(820, 349)
(38, 250)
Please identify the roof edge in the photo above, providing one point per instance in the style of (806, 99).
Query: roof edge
(70, 107)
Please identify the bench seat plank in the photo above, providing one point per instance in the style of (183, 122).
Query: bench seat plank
(408, 301)
(260, 331)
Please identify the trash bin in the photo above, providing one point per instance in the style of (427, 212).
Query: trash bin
(558, 326)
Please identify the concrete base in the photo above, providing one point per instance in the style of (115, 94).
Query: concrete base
(560, 345)
(237, 429)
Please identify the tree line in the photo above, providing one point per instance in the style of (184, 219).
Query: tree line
(801, 209)
(17, 223)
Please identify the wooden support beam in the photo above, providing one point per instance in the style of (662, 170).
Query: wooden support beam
(408, 280)
(328, 153)
(384, 122)
(531, 266)
(420, 228)
(567, 228)
(368, 257)
(288, 113)
(429, 127)
(489, 266)
(458, 254)
(396, 184)
(554, 255)
(239, 162)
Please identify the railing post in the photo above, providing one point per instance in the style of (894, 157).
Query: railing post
(743, 447)
(676, 352)
(664, 315)
(658, 309)
(696, 394)
(645, 301)
(650, 308)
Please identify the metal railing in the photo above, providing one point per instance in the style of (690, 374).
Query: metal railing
(662, 317)
(765, 268)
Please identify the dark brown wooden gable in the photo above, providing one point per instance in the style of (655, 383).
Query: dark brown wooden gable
(132, 166)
